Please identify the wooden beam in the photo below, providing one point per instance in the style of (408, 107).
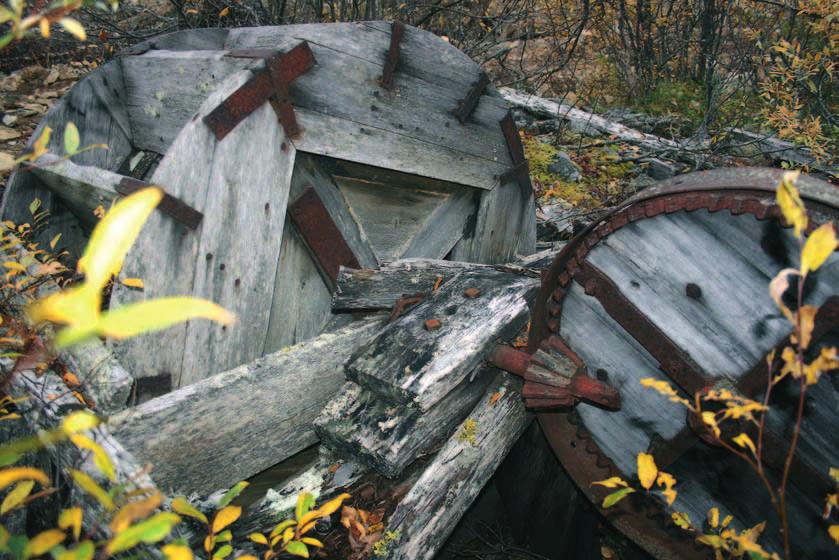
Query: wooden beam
(410, 362)
(389, 437)
(230, 426)
(428, 514)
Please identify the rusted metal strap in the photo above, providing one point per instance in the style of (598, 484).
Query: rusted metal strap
(674, 361)
(392, 57)
(170, 205)
(321, 234)
(467, 104)
(520, 170)
(271, 84)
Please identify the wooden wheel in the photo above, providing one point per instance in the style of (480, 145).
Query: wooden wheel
(673, 284)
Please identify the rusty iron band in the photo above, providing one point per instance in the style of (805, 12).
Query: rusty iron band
(392, 56)
(170, 205)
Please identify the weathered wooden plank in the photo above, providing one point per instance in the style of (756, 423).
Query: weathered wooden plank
(230, 426)
(444, 227)
(386, 437)
(166, 252)
(210, 39)
(81, 187)
(729, 326)
(505, 227)
(244, 217)
(300, 306)
(428, 514)
(164, 89)
(342, 139)
(380, 288)
(409, 362)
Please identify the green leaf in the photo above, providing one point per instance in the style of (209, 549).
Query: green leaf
(152, 530)
(297, 548)
(43, 543)
(223, 552)
(34, 205)
(71, 139)
(17, 495)
(305, 502)
(232, 494)
(84, 551)
(615, 497)
(4, 539)
(182, 506)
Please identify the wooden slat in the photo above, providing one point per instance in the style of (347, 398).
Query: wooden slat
(409, 363)
(244, 217)
(235, 424)
(428, 514)
(165, 253)
(444, 227)
(164, 89)
(386, 437)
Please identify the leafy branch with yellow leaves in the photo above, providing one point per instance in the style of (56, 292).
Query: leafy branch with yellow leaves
(718, 407)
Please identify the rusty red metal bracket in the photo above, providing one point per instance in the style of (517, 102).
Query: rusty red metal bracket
(520, 170)
(270, 84)
(321, 234)
(392, 57)
(170, 205)
(467, 104)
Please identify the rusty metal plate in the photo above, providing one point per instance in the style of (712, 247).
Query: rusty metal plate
(170, 205)
(321, 234)
(392, 56)
(467, 105)
(521, 169)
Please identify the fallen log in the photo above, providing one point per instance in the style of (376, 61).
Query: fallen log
(379, 288)
(589, 123)
(423, 356)
(780, 150)
(230, 426)
(389, 437)
(428, 514)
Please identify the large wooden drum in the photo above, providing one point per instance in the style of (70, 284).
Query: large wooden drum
(673, 284)
(285, 153)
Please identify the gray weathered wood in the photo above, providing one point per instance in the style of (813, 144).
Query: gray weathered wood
(164, 89)
(165, 253)
(409, 363)
(211, 39)
(780, 150)
(230, 426)
(443, 228)
(389, 437)
(242, 230)
(380, 288)
(81, 187)
(430, 511)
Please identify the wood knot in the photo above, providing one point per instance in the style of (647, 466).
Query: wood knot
(693, 291)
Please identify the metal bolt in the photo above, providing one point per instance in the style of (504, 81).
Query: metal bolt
(693, 291)
(432, 324)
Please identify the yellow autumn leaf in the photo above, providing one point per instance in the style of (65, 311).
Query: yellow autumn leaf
(152, 530)
(54, 241)
(78, 306)
(114, 235)
(16, 474)
(11, 265)
(312, 542)
(833, 531)
(612, 482)
(647, 470)
(714, 517)
(133, 283)
(43, 543)
(224, 12)
(682, 520)
(44, 28)
(807, 320)
(74, 28)
(39, 147)
(258, 538)
(667, 481)
(144, 317)
(743, 440)
(225, 517)
(247, 557)
(100, 457)
(86, 483)
(826, 360)
(616, 497)
(71, 518)
(282, 526)
(332, 505)
(19, 493)
(778, 286)
(177, 552)
(132, 511)
(79, 421)
(790, 203)
(819, 246)
(710, 421)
